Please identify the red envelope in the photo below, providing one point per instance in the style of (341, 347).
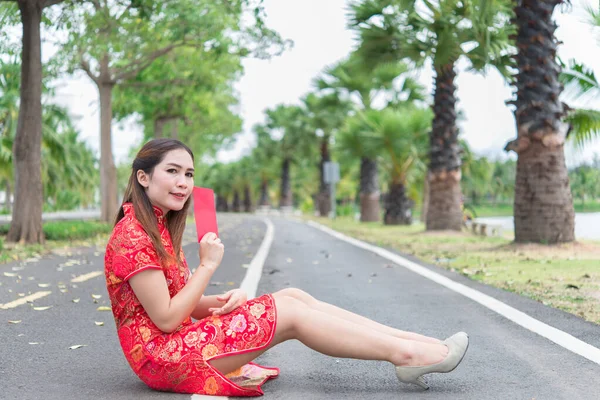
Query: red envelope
(205, 212)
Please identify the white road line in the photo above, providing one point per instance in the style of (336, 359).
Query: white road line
(85, 277)
(559, 337)
(250, 282)
(24, 300)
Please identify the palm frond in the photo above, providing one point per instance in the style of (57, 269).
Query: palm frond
(585, 126)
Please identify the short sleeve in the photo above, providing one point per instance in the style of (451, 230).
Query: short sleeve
(133, 253)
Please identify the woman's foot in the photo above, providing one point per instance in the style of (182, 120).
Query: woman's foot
(456, 347)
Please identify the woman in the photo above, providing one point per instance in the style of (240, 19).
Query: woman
(154, 297)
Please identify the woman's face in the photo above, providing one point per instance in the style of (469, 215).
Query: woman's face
(172, 181)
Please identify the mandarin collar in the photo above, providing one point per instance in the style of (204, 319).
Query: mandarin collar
(160, 216)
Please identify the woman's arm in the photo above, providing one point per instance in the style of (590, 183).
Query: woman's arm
(150, 287)
(206, 302)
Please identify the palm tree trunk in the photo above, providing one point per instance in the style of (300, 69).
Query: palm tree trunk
(324, 199)
(26, 223)
(222, 204)
(369, 191)
(398, 206)
(444, 210)
(425, 204)
(235, 205)
(285, 196)
(543, 205)
(247, 199)
(265, 201)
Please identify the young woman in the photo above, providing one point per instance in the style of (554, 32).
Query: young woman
(154, 297)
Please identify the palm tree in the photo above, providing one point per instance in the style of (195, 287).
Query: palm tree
(401, 137)
(580, 82)
(364, 86)
(543, 207)
(296, 143)
(443, 32)
(327, 114)
(265, 156)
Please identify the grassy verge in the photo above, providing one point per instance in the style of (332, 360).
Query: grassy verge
(565, 276)
(506, 210)
(59, 234)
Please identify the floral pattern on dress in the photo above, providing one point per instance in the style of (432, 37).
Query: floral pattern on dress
(179, 361)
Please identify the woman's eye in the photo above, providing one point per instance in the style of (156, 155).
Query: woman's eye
(172, 170)
(189, 175)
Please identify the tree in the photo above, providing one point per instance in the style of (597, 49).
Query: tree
(580, 82)
(113, 42)
(296, 142)
(266, 159)
(443, 32)
(26, 225)
(364, 86)
(400, 136)
(327, 114)
(543, 210)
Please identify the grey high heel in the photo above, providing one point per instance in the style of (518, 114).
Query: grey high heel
(457, 347)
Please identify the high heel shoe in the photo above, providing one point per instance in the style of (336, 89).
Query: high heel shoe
(457, 347)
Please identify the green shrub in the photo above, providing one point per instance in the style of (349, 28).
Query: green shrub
(73, 230)
(1, 244)
(69, 230)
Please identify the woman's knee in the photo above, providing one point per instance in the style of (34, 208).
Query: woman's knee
(297, 294)
(290, 314)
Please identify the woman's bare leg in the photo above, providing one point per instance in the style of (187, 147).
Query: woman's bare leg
(337, 337)
(350, 316)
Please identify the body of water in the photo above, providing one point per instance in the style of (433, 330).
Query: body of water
(587, 225)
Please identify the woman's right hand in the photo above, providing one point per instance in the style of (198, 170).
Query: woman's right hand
(211, 251)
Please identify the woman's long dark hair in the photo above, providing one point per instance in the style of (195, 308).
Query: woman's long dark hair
(149, 156)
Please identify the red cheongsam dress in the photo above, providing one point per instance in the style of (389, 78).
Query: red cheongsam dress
(178, 361)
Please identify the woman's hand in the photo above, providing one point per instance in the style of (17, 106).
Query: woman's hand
(211, 251)
(232, 299)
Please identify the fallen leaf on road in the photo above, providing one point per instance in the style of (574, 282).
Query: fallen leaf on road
(77, 346)
(21, 294)
(18, 268)
(41, 308)
(64, 290)
(289, 260)
(96, 296)
(103, 308)
(99, 323)
(76, 300)
(14, 322)
(10, 274)
(315, 262)
(34, 342)
(245, 265)
(231, 283)
(43, 285)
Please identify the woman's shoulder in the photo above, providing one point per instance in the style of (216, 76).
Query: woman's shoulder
(128, 231)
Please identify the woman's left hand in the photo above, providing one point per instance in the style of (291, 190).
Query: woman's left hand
(233, 299)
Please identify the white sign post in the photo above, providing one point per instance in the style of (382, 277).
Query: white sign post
(331, 175)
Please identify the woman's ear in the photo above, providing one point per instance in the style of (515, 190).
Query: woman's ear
(142, 178)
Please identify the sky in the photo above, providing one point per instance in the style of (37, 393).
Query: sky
(318, 29)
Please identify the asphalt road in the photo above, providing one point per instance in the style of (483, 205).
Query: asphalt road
(504, 360)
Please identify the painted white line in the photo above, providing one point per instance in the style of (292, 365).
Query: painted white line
(250, 282)
(85, 277)
(559, 337)
(24, 300)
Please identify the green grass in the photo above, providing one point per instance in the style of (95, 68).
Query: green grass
(564, 276)
(58, 234)
(506, 210)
